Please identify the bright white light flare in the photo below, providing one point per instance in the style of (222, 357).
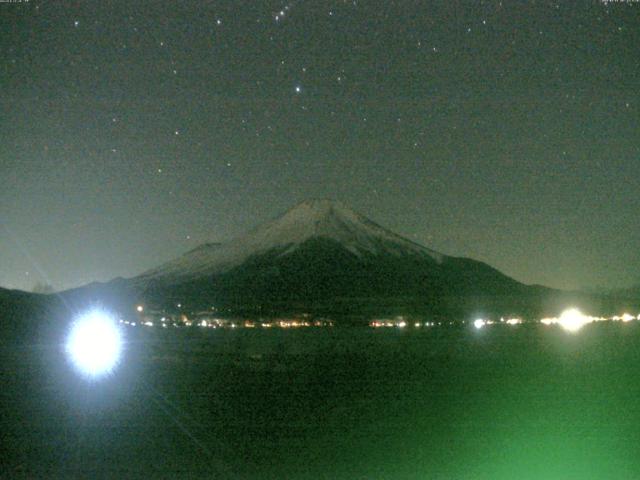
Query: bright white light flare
(573, 320)
(626, 317)
(94, 343)
(479, 323)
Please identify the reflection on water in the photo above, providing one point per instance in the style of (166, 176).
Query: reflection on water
(512, 401)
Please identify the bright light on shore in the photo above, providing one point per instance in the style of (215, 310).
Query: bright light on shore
(94, 344)
(479, 323)
(573, 320)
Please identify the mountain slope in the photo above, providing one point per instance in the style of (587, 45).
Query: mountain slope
(320, 252)
(312, 219)
(22, 315)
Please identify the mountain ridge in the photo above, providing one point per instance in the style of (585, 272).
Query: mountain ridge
(321, 252)
(320, 257)
(309, 219)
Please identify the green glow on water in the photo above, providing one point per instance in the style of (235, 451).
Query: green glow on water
(533, 405)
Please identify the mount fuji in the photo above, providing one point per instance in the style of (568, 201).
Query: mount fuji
(318, 219)
(320, 253)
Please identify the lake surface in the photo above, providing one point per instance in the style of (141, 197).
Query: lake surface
(524, 402)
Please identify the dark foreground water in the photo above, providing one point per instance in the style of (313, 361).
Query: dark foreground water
(526, 402)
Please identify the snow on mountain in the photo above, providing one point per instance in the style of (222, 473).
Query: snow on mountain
(311, 219)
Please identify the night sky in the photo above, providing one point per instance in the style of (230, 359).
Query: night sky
(133, 131)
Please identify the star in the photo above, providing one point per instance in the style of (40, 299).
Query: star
(298, 89)
(76, 23)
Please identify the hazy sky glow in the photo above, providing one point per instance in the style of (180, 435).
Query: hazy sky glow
(504, 131)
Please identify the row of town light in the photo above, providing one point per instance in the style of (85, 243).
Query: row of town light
(94, 343)
(571, 320)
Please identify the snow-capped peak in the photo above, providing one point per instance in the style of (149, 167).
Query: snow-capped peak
(310, 219)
